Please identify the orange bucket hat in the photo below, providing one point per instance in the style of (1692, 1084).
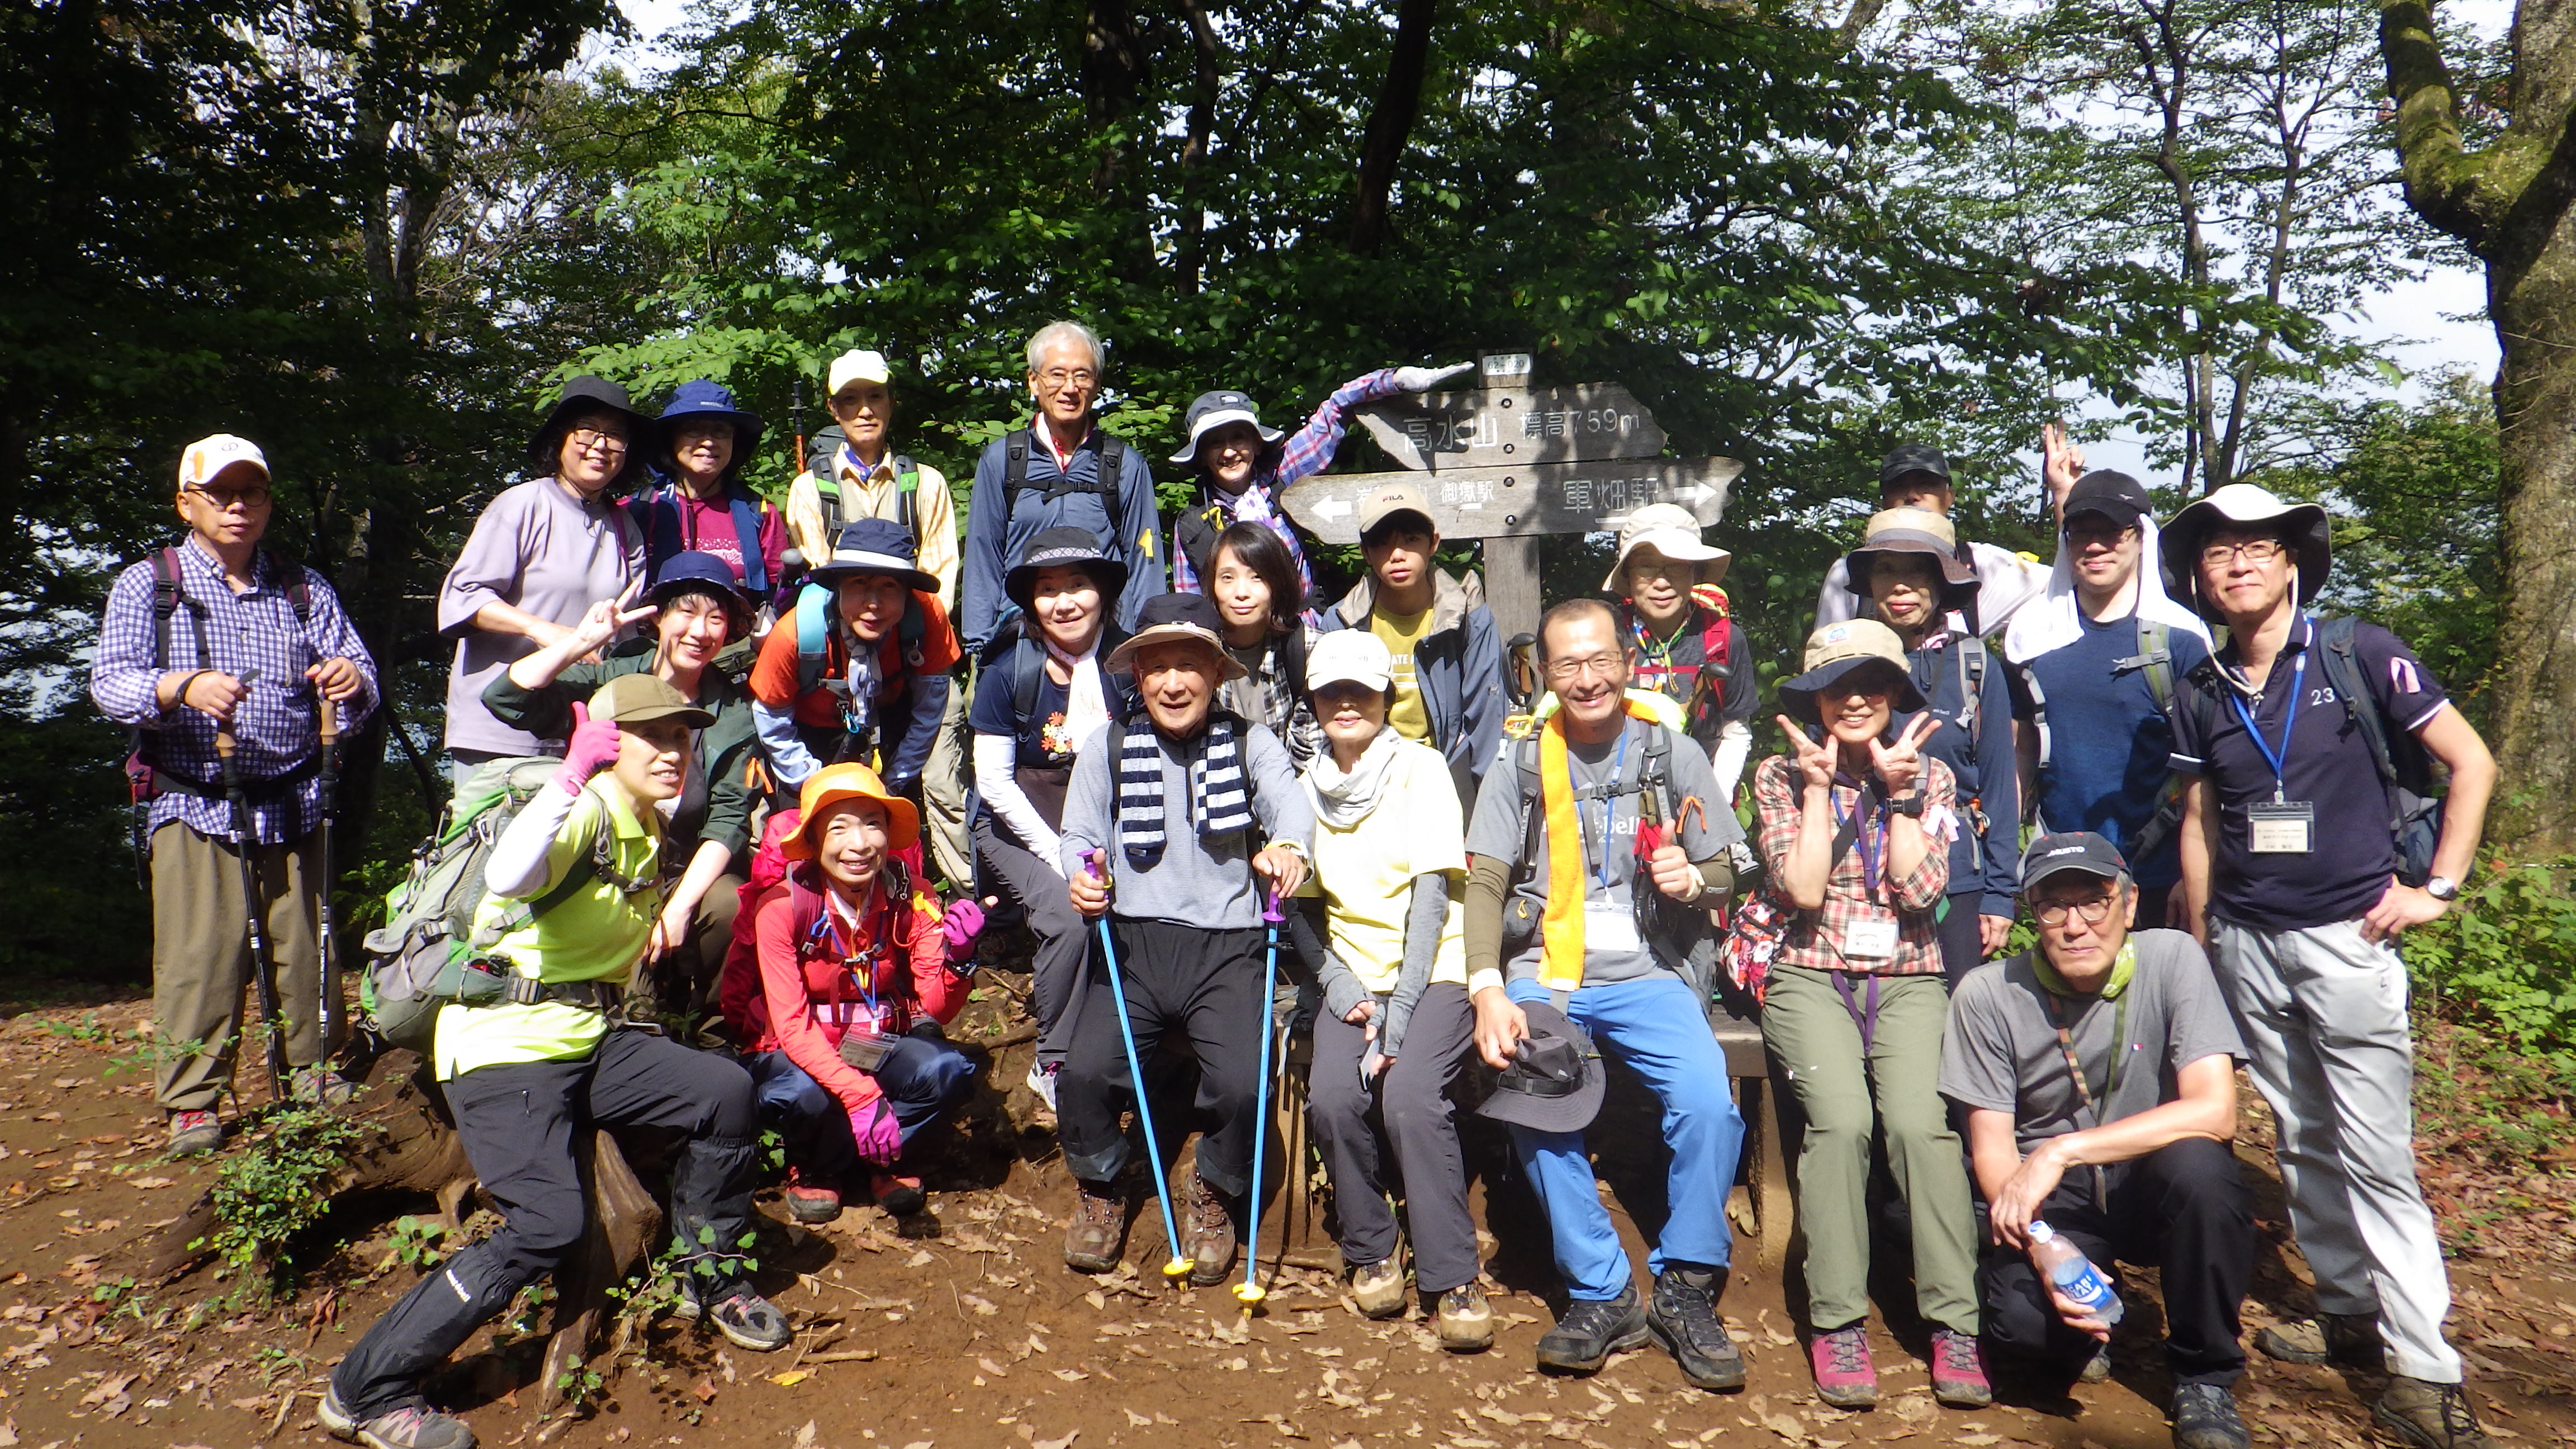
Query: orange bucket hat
(850, 780)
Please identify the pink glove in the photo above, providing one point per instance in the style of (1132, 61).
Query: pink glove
(961, 925)
(879, 1136)
(592, 748)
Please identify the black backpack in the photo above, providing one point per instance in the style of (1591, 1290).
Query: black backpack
(1104, 479)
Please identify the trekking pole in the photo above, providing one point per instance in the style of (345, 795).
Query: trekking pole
(263, 970)
(1177, 1267)
(329, 792)
(1250, 1292)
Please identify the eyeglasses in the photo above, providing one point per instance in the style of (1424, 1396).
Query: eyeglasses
(222, 500)
(592, 440)
(1605, 666)
(2255, 550)
(1068, 376)
(2094, 911)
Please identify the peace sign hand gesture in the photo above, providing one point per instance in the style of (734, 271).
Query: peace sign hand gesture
(1900, 765)
(608, 618)
(1816, 763)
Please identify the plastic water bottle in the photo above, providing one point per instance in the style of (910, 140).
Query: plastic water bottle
(2074, 1274)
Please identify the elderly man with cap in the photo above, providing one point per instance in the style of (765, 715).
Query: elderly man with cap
(2099, 1078)
(2306, 849)
(1682, 640)
(2094, 665)
(845, 991)
(1448, 654)
(573, 890)
(696, 612)
(213, 644)
(1595, 876)
(1908, 566)
(701, 505)
(1062, 469)
(859, 669)
(1857, 818)
(1242, 466)
(1177, 828)
(1918, 476)
(540, 554)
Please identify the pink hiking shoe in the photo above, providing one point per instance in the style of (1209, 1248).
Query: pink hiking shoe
(1845, 1376)
(1959, 1371)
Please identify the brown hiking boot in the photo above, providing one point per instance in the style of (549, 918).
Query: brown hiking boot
(1099, 1229)
(2436, 1416)
(2349, 1339)
(1208, 1234)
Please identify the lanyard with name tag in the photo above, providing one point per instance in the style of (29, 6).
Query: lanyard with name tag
(2282, 826)
(1867, 940)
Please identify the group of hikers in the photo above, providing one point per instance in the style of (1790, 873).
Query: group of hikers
(735, 745)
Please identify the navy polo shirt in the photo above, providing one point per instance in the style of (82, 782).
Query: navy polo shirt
(2353, 857)
(2109, 742)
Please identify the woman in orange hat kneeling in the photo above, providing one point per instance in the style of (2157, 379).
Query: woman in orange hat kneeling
(853, 960)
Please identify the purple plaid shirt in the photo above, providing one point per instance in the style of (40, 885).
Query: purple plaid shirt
(1303, 452)
(278, 723)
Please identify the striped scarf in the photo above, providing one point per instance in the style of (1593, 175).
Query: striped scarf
(1220, 794)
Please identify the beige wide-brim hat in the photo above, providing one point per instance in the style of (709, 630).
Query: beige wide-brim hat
(1177, 619)
(1673, 534)
(1837, 650)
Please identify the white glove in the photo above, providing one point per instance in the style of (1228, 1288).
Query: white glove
(1423, 379)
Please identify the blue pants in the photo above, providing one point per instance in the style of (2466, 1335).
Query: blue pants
(922, 1078)
(1657, 1028)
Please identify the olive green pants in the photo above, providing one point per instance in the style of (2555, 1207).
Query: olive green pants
(201, 958)
(1848, 1093)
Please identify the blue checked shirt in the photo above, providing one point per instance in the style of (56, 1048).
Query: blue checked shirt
(278, 723)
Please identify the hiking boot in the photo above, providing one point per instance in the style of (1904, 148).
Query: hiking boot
(417, 1427)
(2349, 1339)
(751, 1321)
(1683, 1318)
(1845, 1376)
(898, 1195)
(1591, 1330)
(1959, 1370)
(1208, 1235)
(809, 1203)
(319, 1084)
(1465, 1322)
(1378, 1288)
(2097, 1368)
(1099, 1228)
(2435, 1416)
(2204, 1417)
(194, 1133)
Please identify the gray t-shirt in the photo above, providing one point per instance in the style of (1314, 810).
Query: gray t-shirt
(1496, 830)
(1194, 880)
(537, 549)
(2001, 1051)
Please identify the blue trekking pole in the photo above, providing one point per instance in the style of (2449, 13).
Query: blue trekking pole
(1250, 1292)
(1177, 1267)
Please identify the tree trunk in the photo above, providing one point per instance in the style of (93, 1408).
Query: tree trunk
(2509, 202)
(1191, 254)
(1390, 123)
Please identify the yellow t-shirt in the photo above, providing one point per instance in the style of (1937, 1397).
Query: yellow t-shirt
(595, 934)
(1401, 632)
(1366, 872)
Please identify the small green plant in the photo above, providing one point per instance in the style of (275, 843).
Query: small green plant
(418, 1242)
(272, 1188)
(773, 1149)
(580, 1384)
(274, 1363)
(2504, 959)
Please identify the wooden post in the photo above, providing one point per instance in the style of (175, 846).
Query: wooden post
(1511, 584)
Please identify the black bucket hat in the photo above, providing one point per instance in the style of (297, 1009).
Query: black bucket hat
(588, 394)
(1059, 547)
(1554, 1083)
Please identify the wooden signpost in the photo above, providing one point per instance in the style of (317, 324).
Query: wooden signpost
(1511, 464)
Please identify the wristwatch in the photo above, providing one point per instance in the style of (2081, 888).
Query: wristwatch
(1910, 805)
(2442, 888)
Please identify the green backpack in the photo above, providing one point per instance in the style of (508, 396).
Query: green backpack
(428, 953)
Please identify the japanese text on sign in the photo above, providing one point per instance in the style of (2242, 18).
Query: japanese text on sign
(1608, 495)
(1452, 432)
(1575, 422)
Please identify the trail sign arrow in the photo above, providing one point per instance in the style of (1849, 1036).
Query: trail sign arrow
(1511, 427)
(1526, 501)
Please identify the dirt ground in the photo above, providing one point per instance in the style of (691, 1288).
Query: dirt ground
(964, 1328)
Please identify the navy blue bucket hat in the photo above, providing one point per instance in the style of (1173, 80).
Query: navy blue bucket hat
(699, 401)
(874, 546)
(694, 571)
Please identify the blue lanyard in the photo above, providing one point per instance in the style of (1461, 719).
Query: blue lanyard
(1860, 840)
(2279, 758)
(1610, 805)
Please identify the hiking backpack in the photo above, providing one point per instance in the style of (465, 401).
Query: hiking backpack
(823, 460)
(1104, 480)
(2404, 765)
(813, 618)
(428, 953)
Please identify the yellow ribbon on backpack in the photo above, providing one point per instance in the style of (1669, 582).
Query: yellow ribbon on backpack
(1560, 965)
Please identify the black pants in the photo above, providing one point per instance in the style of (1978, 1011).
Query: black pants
(2184, 1209)
(522, 1127)
(1057, 980)
(1410, 1101)
(1204, 984)
(1963, 948)
(2150, 913)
